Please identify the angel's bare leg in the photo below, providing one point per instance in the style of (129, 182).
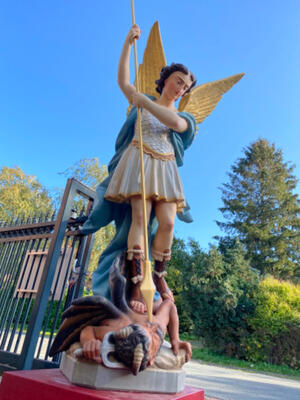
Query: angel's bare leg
(136, 251)
(161, 249)
(136, 232)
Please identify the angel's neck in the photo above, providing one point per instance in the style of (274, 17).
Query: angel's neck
(166, 102)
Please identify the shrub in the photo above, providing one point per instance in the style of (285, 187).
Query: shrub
(275, 325)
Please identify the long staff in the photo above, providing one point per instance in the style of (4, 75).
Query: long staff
(147, 286)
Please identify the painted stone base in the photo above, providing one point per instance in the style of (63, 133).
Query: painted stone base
(97, 376)
(50, 384)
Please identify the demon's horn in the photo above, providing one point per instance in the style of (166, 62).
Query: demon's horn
(124, 332)
(138, 356)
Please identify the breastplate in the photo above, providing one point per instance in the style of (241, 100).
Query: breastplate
(155, 134)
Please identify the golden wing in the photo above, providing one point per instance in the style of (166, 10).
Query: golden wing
(202, 100)
(153, 61)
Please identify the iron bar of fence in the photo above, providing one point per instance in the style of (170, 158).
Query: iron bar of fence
(10, 311)
(59, 304)
(7, 257)
(27, 227)
(53, 296)
(28, 301)
(3, 250)
(83, 257)
(8, 297)
(44, 289)
(40, 305)
(25, 270)
(5, 264)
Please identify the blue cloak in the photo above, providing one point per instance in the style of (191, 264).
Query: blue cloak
(106, 211)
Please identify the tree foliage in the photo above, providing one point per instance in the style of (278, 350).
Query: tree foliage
(275, 325)
(213, 292)
(260, 206)
(22, 195)
(88, 171)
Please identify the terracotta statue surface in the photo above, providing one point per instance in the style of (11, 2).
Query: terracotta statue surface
(167, 133)
(92, 319)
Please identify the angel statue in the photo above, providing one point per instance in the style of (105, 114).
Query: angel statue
(167, 133)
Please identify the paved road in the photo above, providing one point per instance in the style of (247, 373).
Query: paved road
(232, 384)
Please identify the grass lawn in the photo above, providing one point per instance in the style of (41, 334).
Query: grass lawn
(209, 357)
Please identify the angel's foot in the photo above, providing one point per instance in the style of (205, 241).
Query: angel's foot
(136, 302)
(135, 256)
(159, 274)
(138, 306)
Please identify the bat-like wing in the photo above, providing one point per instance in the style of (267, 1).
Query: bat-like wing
(90, 310)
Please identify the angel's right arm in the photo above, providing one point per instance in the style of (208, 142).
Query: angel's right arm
(123, 70)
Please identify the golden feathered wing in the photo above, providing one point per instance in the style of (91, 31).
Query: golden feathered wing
(153, 61)
(201, 101)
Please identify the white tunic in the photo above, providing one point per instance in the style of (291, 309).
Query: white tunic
(162, 180)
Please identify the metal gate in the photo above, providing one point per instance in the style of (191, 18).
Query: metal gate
(42, 269)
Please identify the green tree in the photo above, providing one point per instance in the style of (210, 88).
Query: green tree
(213, 292)
(219, 291)
(260, 206)
(22, 195)
(88, 171)
(176, 268)
(92, 173)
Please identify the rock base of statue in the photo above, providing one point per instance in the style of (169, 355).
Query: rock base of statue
(49, 384)
(96, 376)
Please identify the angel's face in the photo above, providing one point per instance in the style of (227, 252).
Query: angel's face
(176, 85)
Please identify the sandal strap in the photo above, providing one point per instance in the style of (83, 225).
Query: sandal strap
(161, 274)
(136, 279)
(161, 256)
(132, 252)
(136, 257)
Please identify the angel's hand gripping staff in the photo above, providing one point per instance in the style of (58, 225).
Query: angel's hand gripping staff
(167, 133)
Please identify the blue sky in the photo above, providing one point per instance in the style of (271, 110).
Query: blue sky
(60, 101)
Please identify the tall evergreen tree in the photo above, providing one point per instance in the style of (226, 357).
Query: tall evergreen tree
(260, 206)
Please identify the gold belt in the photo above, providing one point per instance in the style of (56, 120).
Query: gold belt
(153, 153)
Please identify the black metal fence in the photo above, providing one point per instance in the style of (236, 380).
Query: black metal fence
(42, 269)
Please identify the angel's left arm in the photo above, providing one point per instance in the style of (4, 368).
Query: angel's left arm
(167, 117)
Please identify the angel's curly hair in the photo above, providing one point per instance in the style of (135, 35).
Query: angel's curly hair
(168, 70)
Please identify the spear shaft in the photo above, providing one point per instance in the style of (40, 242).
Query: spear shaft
(147, 286)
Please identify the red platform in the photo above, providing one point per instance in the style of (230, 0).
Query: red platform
(51, 384)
